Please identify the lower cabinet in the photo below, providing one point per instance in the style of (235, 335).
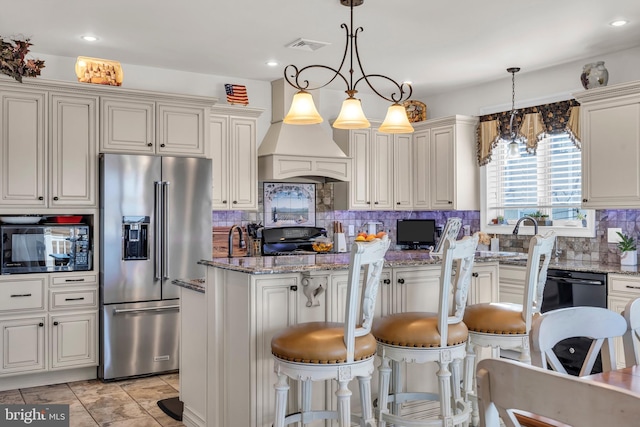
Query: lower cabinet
(622, 289)
(73, 340)
(512, 279)
(23, 345)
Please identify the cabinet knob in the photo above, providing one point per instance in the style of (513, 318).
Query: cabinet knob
(375, 203)
(450, 202)
(474, 274)
(55, 323)
(293, 288)
(585, 200)
(40, 198)
(149, 145)
(235, 202)
(224, 201)
(368, 202)
(397, 203)
(401, 281)
(386, 281)
(41, 324)
(162, 145)
(55, 198)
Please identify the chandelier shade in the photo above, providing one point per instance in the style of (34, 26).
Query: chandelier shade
(351, 115)
(303, 111)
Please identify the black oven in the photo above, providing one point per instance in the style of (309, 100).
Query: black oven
(45, 248)
(573, 289)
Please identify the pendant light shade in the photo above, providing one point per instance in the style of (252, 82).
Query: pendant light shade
(396, 120)
(513, 151)
(303, 111)
(351, 116)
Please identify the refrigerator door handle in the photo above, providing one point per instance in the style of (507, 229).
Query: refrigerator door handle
(140, 310)
(165, 230)
(157, 267)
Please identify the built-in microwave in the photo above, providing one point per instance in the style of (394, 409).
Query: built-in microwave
(45, 248)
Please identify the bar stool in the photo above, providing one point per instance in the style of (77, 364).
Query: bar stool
(417, 337)
(507, 325)
(318, 351)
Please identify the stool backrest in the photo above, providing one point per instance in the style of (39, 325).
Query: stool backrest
(597, 323)
(367, 258)
(462, 254)
(631, 314)
(506, 385)
(540, 248)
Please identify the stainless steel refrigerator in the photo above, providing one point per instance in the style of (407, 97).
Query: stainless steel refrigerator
(155, 225)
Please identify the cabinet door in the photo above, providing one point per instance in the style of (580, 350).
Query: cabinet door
(339, 284)
(23, 127)
(442, 168)
(611, 154)
(360, 152)
(422, 169)
(74, 340)
(403, 171)
(128, 126)
(181, 130)
(23, 345)
(74, 142)
(511, 287)
(416, 289)
(382, 173)
(484, 284)
(220, 162)
(243, 164)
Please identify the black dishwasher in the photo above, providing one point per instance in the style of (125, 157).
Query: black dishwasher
(573, 289)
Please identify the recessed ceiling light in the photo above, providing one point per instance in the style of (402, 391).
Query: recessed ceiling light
(89, 38)
(272, 63)
(618, 23)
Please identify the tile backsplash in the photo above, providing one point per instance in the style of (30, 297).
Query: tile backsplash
(574, 248)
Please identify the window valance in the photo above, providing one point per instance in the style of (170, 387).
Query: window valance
(532, 123)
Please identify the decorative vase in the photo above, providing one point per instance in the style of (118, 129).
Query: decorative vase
(594, 75)
(629, 258)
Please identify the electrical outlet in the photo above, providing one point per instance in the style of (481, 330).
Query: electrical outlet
(612, 237)
(352, 230)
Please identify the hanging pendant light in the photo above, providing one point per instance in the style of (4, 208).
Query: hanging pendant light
(303, 110)
(514, 141)
(351, 115)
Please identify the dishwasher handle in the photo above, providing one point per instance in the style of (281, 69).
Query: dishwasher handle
(569, 281)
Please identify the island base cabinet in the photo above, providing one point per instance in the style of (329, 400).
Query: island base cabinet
(622, 289)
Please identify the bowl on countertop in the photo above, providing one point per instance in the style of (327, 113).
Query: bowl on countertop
(322, 244)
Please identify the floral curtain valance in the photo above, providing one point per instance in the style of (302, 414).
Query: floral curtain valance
(532, 123)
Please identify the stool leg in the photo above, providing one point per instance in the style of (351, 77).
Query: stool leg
(365, 401)
(471, 362)
(383, 390)
(456, 382)
(525, 354)
(396, 375)
(282, 390)
(306, 397)
(344, 404)
(444, 384)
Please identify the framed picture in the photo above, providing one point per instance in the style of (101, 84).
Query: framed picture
(288, 204)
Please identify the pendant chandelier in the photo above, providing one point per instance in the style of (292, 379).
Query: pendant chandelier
(303, 111)
(513, 148)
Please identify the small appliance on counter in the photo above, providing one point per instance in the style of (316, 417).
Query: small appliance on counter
(339, 238)
(290, 240)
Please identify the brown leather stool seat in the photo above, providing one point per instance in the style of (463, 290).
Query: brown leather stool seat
(319, 342)
(415, 329)
(495, 318)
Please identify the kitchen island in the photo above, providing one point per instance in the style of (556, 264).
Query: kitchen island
(226, 372)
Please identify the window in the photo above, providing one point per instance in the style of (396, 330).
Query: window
(546, 185)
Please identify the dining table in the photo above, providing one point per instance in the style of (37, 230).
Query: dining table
(627, 378)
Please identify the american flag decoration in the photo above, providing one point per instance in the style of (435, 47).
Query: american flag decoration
(236, 94)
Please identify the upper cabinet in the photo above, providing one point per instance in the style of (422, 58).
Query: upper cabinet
(234, 156)
(169, 128)
(610, 134)
(381, 168)
(445, 172)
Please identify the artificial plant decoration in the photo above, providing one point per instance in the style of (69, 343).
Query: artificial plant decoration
(12, 59)
(626, 243)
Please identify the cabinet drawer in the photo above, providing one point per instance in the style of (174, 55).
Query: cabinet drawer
(80, 298)
(624, 283)
(513, 273)
(22, 294)
(75, 279)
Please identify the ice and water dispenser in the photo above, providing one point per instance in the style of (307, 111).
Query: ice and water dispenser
(135, 238)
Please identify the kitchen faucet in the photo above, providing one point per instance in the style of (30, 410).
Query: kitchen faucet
(535, 224)
(234, 227)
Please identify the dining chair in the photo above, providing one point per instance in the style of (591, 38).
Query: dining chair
(631, 314)
(421, 337)
(506, 386)
(597, 323)
(319, 351)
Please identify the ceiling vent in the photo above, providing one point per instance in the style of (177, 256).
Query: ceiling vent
(308, 45)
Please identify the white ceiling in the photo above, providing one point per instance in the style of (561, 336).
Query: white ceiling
(437, 45)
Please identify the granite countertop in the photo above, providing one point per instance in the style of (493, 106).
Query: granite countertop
(587, 266)
(193, 284)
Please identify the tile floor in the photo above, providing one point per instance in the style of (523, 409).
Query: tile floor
(127, 403)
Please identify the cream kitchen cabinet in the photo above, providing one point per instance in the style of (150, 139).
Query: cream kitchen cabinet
(23, 345)
(622, 289)
(175, 126)
(234, 156)
(511, 280)
(74, 340)
(445, 171)
(382, 177)
(610, 133)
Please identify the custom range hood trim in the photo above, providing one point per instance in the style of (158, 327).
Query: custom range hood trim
(290, 151)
